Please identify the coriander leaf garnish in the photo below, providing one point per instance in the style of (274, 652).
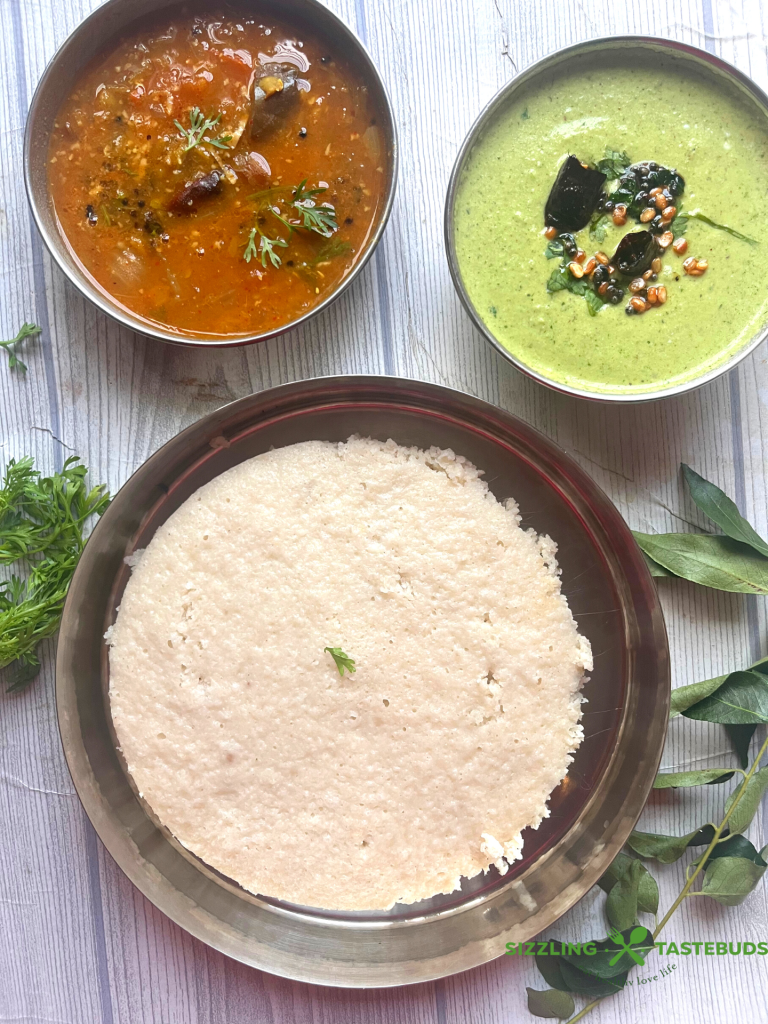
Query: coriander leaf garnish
(554, 250)
(598, 226)
(321, 219)
(613, 164)
(562, 278)
(594, 302)
(251, 249)
(25, 331)
(294, 200)
(264, 248)
(302, 195)
(343, 661)
(199, 125)
(41, 521)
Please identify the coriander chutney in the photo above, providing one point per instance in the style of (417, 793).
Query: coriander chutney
(661, 110)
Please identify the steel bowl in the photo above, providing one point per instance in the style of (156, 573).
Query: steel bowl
(643, 49)
(593, 811)
(92, 37)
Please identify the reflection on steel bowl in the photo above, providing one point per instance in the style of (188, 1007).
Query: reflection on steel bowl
(211, 176)
(614, 604)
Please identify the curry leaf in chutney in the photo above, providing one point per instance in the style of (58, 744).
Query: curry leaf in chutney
(698, 215)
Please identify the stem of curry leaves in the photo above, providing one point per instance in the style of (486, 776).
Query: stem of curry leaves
(701, 864)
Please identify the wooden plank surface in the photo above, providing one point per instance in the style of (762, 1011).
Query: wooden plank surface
(78, 944)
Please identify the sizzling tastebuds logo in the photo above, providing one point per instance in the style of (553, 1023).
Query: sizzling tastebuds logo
(629, 948)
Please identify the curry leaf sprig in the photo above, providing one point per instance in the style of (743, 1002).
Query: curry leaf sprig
(680, 224)
(25, 331)
(199, 124)
(42, 524)
(730, 868)
(736, 562)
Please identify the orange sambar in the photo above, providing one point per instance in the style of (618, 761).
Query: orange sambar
(216, 176)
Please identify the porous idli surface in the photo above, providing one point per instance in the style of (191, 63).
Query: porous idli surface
(385, 785)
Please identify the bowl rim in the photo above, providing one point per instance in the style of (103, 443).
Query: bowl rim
(56, 242)
(551, 60)
(449, 940)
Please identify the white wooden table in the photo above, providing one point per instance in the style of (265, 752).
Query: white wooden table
(80, 945)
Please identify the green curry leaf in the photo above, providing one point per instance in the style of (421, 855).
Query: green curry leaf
(741, 700)
(740, 737)
(737, 846)
(746, 808)
(698, 215)
(722, 510)
(684, 780)
(551, 1003)
(667, 849)
(717, 562)
(729, 880)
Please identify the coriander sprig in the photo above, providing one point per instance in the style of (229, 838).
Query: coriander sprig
(265, 248)
(199, 125)
(321, 219)
(25, 331)
(42, 521)
(343, 661)
(297, 201)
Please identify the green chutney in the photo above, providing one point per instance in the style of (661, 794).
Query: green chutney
(715, 139)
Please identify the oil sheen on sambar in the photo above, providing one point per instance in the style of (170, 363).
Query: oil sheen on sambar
(718, 144)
